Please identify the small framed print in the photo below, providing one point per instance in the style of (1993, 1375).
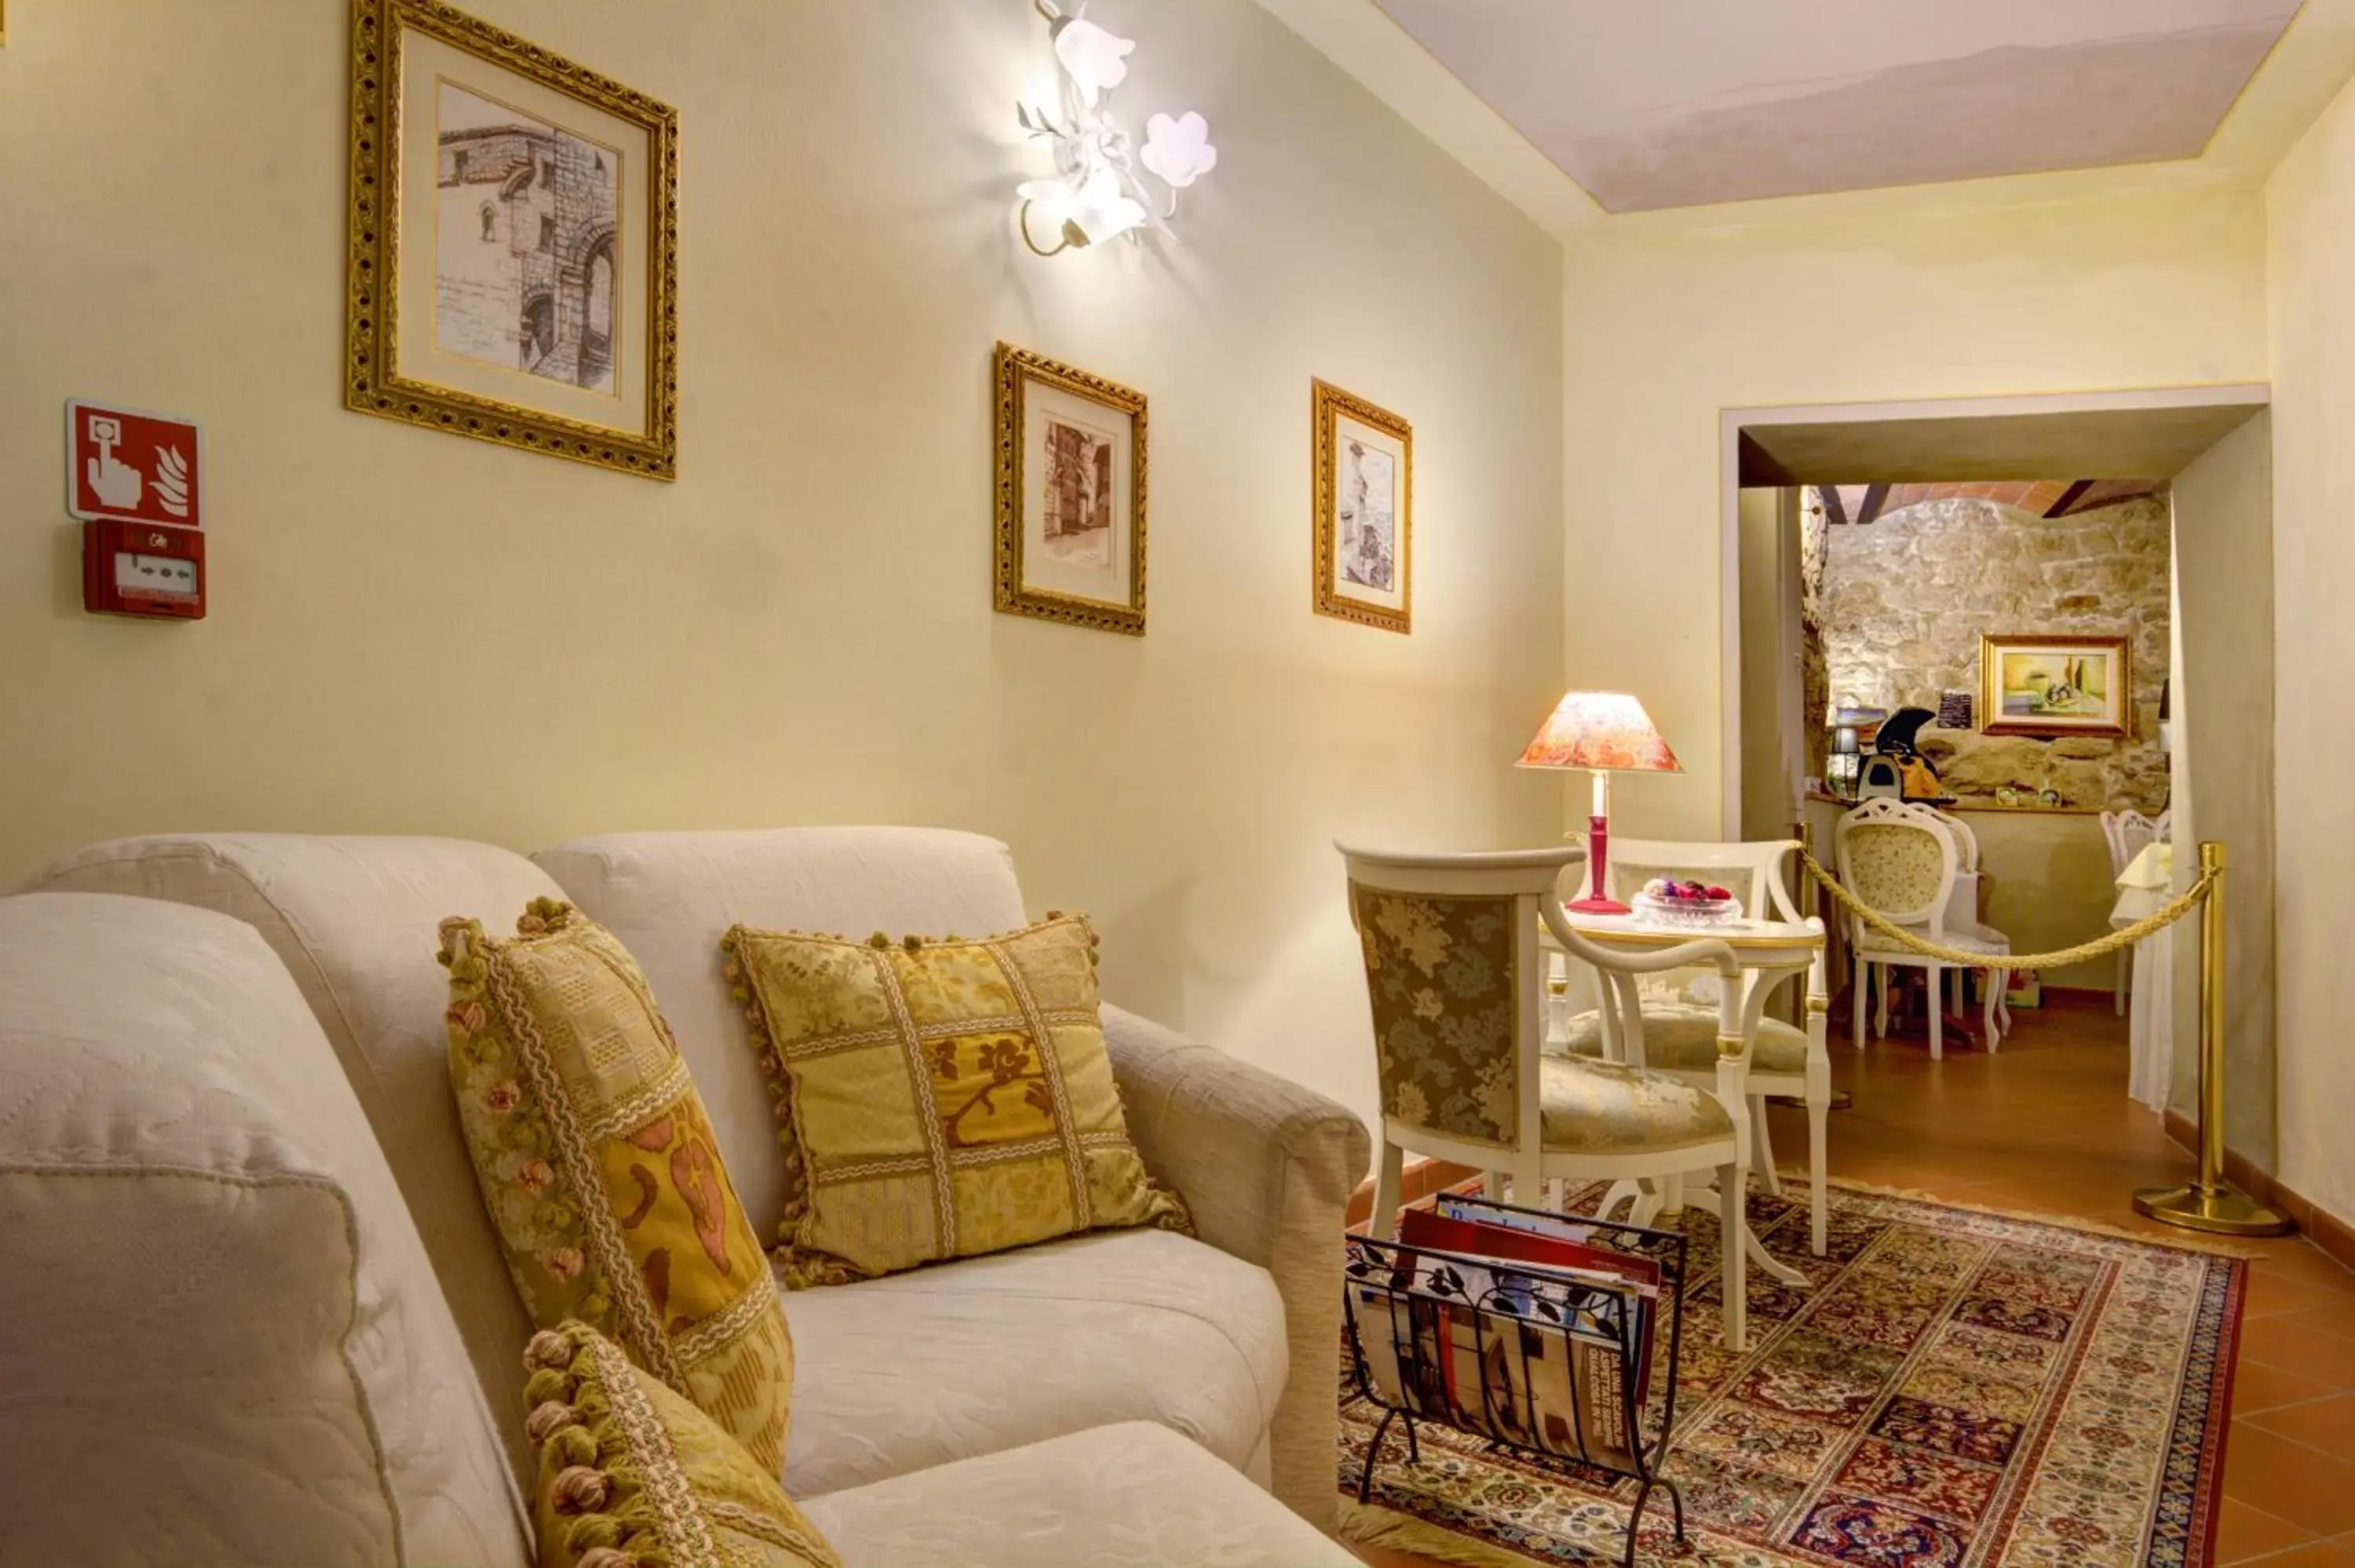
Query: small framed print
(1364, 495)
(1070, 494)
(2053, 686)
(513, 251)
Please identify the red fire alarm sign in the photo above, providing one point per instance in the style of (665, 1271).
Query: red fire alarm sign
(132, 466)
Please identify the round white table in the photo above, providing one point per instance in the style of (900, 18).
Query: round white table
(1769, 951)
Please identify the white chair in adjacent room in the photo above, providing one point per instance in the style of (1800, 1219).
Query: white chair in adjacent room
(1679, 1035)
(2128, 833)
(1456, 978)
(1900, 860)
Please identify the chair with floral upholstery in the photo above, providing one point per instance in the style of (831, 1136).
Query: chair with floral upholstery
(1457, 983)
(1900, 861)
(1681, 1027)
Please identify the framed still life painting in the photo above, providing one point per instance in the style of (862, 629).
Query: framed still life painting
(2053, 686)
(513, 255)
(1070, 495)
(1364, 498)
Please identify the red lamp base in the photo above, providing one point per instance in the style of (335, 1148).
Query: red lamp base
(1598, 856)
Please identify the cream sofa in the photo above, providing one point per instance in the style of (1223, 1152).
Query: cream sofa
(1109, 1398)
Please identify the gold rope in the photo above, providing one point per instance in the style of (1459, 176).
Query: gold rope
(2112, 943)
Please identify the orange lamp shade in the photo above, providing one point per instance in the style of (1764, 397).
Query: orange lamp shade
(1606, 731)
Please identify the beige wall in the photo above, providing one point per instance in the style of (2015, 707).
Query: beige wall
(2311, 209)
(2224, 728)
(1883, 296)
(411, 632)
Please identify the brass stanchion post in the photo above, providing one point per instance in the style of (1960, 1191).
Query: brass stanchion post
(2210, 1202)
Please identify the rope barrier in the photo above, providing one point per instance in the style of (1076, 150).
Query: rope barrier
(2176, 910)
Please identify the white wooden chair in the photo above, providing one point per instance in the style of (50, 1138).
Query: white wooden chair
(1456, 978)
(2128, 833)
(1900, 860)
(1680, 1037)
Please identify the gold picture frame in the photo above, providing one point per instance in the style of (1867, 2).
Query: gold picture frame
(545, 239)
(1070, 495)
(1363, 499)
(2048, 688)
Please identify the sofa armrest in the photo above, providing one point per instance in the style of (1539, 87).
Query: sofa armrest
(1268, 1169)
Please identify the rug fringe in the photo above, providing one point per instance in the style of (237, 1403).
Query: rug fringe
(2064, 1221)
(1364, 1524)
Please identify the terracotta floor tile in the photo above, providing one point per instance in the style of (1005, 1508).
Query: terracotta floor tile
(2276, 1289)
(2244, 1533)
(2316, 1554)
(2275, 1343)
(2335, 1320)
(2327, 1423)
(2289, 1480)
(2258, 1388)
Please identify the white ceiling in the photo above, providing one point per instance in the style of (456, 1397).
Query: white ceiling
(1662, 103)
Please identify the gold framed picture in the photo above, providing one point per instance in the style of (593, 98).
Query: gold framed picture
(514, 254)
(1070, 494)
(2052, 686)
(1364, 499)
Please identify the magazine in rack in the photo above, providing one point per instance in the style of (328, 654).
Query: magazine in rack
(1532, 1328)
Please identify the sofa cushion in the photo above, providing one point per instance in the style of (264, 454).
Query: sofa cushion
(670, 896)
(1128, 1496)
(222, 1340)
(596, 1163)
(942, 1363)
(354, 919)
(939, 1098)
(628, 1467)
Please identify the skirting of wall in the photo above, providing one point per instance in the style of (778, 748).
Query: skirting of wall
(2325, 1230)
(1420, 1179)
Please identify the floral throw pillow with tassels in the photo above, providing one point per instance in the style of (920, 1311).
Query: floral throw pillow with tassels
(938, 1098)
(632, 1476)
(601, 1172)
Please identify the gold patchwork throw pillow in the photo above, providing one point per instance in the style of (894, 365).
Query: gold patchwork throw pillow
(938, 1098)
(601, 1172)
(632, 1476)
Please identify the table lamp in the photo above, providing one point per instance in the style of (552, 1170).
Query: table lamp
(1605, 733)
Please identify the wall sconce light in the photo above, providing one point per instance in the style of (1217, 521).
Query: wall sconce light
(1097, 194)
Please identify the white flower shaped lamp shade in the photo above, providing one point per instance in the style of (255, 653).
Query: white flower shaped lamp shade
(1605, 733)
(1096, 60)
(1178, 150)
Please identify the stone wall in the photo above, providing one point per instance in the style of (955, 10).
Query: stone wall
(1906, 597)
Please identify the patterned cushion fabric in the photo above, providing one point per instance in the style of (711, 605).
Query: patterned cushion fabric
(938, 1099)
(598, 1167)
(1684, 1039)
(1602, 1108)
(632, 1474)
(1441, 976)
(1978, 940)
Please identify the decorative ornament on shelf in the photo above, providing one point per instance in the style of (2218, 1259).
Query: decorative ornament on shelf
(1097, 194)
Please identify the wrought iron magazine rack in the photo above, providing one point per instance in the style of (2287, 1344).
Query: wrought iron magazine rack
(1537, 1333)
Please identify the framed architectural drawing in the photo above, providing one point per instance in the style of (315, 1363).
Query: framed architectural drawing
(1070, 495)
(1364, 497)
(513, 257)
(2056, 686)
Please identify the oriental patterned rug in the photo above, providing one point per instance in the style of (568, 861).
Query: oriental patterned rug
(1954, 1387)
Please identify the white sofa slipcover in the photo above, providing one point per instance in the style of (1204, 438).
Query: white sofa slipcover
(222, 1340)
(355, 922)
(225, 1343)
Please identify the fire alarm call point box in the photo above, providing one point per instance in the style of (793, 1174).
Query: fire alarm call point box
(134, 480)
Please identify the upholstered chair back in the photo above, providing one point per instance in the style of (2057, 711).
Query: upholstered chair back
(355, 922)
(1455, 980)
(224, 1343)
(1900, 860)
(669, 897)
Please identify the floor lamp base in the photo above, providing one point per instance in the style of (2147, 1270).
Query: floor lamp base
(2226, 1210)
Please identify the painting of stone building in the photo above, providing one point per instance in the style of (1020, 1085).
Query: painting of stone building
(526, 272)
(1079, 501)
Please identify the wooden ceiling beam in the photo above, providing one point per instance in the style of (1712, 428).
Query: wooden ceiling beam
(1834, 512)
(2069, 497)
(1875, 495)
